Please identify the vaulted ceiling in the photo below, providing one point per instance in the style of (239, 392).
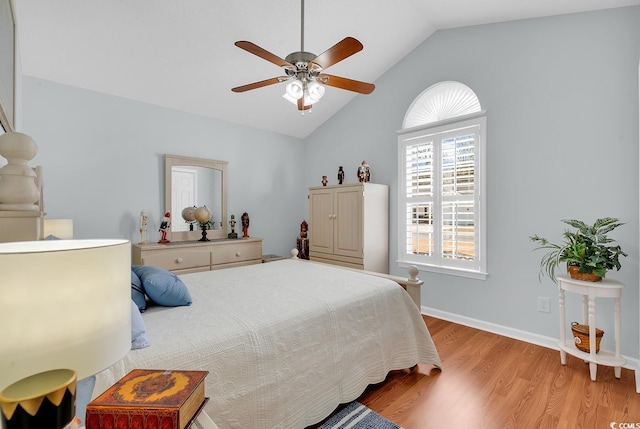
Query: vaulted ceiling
(181, 54)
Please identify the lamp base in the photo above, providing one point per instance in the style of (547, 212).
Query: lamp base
(44, 401)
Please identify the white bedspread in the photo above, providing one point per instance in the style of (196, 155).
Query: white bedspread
(284, 342)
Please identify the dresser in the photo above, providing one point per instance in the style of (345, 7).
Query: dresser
(349, 226)
(193, 256)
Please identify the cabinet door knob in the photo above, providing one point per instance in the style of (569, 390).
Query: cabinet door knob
(179, 261)
(238, 253)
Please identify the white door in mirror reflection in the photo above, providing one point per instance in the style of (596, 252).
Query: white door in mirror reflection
(184, 188)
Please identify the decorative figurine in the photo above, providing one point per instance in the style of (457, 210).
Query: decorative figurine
(143, 227)
(302, 243)
(245, 225)
(324, 180)
(188, 214)
(303, 229)
(340, 175)
(232, 222)
(364, 172)
(203, 216)
(164, 225)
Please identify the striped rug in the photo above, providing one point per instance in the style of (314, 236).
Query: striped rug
(356, 416)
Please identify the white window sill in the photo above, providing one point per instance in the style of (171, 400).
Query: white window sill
(478, 275)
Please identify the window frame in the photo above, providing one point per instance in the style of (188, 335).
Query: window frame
(444, 266)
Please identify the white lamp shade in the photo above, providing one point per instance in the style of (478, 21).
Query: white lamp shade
(58, 228)
(316, 91)
(295, 89)
(63, 304)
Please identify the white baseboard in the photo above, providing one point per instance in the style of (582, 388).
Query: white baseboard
(529, 337)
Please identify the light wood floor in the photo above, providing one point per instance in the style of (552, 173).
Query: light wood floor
(489, 381)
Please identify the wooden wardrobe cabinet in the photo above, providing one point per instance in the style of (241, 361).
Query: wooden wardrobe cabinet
(349, 226)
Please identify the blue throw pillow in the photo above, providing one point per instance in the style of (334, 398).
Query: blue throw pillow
(138, 329)
(84, 391)
(162, 286)
(137, 292)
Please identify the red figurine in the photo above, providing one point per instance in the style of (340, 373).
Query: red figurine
(164, 225)
(245, 225)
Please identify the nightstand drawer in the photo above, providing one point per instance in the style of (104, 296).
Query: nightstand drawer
(236, 252)
(178, 259)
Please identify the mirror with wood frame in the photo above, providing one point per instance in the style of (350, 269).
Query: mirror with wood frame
(195, 182)
(8, 48)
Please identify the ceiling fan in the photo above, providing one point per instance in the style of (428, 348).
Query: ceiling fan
(304, 70)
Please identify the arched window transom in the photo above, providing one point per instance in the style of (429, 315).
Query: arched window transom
(441, 101)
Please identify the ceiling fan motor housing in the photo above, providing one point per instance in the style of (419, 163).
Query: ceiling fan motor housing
(300, 59)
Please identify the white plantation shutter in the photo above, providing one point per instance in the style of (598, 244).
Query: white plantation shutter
(458, 196)
(442, 204)
(420, 192)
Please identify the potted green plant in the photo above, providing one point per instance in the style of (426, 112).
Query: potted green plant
(587, 251)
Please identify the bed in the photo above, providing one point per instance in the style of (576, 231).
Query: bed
(284, 342)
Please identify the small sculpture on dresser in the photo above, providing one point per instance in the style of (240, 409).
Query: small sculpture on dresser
(189, 216)
(340, 175)
(324, 180)
(302, 243)
(203, 217)
(304, 226)
(364, 172)
(164, 225)
(143, 227)
(245, 225)
(232, 223)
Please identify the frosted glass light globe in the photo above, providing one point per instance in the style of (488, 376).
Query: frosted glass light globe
(316, 91)
(295, 90)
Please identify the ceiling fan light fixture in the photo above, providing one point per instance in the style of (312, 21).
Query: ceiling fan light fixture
(306, 101)
(304, 70)
(295, 89)
(316, 91)
(289, 98)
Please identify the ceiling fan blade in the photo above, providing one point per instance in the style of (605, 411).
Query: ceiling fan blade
(338, 52)
(263, 53)
(348, 84)
(260, 84)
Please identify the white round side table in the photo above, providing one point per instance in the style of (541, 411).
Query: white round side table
(605, 288)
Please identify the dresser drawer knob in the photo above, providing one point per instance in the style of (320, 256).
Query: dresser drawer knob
(238, 253)
(178, 260)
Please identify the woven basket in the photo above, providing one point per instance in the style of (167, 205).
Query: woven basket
(581, 337)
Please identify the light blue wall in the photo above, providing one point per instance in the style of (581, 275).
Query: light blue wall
(103, 163)
(561, 96)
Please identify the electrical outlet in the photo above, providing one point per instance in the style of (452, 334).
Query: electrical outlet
(543, 304)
